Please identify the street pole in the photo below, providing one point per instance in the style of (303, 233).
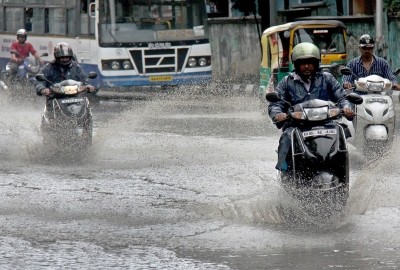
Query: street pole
(272, 13)
(380, 40)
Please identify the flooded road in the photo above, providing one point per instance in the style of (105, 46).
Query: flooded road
(179, 182)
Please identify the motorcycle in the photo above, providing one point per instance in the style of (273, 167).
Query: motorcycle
(25, 76)
(318, 161)
(68, 125)
(375, 122)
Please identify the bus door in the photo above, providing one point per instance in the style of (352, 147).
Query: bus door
(86, 49)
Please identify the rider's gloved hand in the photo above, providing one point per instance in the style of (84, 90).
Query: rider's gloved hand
(90, 88)
(396, 86)
(46, 92)
(280, 117)
(348, 113)
(347, 85)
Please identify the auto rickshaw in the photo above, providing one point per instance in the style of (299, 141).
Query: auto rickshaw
(278, 41)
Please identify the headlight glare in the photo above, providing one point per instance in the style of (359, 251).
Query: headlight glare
(316, 114)
(192, 62)
(115, 65)
(202, 61)
(127, 64)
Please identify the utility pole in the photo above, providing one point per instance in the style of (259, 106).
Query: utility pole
(272, 13)
(380, 40)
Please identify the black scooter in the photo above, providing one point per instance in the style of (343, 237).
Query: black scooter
(318, 162)
(69, 125)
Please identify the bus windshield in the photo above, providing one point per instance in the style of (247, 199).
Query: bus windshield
(329, 40)
(132, 21)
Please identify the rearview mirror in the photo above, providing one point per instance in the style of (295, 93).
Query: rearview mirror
(92, 74)
(40, 78)
(355, 98)
(272, 97)
(346, 71)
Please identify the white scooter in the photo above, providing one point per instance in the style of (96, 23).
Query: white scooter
(375, 121)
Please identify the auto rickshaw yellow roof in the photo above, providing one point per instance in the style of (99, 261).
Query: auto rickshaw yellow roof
(291, 25)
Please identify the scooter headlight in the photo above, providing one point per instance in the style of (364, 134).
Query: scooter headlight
(316, 114)
(34, 69)
(375, 86)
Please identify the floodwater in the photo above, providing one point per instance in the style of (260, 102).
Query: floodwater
(182, 181)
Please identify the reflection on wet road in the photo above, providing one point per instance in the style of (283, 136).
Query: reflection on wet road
(179, 182)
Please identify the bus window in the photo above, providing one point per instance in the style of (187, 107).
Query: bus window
(2, 21)
(37, 20)
(71, 31)
(28, 19)
(15, 19)
(57, 23)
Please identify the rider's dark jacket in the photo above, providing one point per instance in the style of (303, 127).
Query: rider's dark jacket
(56, 73)
(323, 86)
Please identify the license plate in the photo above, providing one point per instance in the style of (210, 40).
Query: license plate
(160, 78)
(72, 100)
(319, 132)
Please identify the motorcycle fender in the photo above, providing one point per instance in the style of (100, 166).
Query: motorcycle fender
(376, 132)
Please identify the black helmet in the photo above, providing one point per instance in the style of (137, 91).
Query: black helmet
(22, 33)
(366, 41)
(63, 49)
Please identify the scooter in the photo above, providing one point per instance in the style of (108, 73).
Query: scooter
(26, 71)
(16, 87)
(376, 119)
(318, 161)
(25, 76)
(69, 125)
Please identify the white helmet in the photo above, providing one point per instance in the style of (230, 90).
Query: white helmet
(22, 32)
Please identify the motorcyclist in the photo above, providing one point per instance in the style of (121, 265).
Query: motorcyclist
(20, 50)
(305, 83)
(368, 64)
(63, 67)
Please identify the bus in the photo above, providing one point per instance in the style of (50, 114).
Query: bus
(278, 41)
(129, 43)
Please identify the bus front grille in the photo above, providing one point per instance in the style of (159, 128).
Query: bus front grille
(159, 60)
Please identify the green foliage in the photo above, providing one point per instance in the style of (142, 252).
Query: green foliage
(391, 5)
(246, 6)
